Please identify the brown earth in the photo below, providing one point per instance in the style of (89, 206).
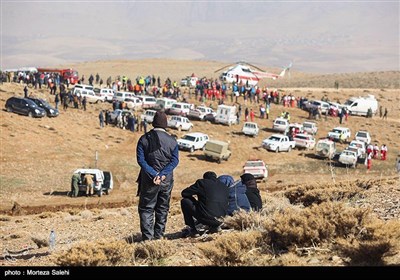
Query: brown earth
(38, 157)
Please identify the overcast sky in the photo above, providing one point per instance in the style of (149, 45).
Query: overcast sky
(319, 36)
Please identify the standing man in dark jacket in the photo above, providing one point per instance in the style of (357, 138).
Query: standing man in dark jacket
(212, 203)
(157, 155)
(252, 192)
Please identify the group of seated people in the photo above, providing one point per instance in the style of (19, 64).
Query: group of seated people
(216, 198)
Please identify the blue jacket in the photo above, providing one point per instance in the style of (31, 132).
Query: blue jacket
(237, 194)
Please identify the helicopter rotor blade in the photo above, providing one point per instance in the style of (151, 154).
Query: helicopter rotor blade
(223, 67)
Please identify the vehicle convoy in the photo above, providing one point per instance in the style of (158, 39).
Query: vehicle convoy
(67, 74)
(217, 150)
(325, 148)
(257, 168)
(103, 180)
(250, 129)
(193, 141)
(278, 143)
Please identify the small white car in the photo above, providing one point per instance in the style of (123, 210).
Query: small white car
(281, 125)
(106, 93)
(348, 158)
(148, 115)
(180, 123)
(310, 127)
(360, 146)
(103, 180)
(193, 141)
(181, 109)
(133, 103)
(250, 128)
(200, 112)
(335, 133)
(257, 168)
(363, 136)
(306, 141)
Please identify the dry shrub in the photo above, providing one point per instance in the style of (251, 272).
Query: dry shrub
(316, 194)
(242, 220)
(41, 243)
(235, 248)
(4, 219)
(100, 253)
(154, 251)
(312, 225)
(376, 240)
(46, 215)
(86, 214)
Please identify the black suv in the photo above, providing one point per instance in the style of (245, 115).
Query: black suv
(24, 106)
(50, 110)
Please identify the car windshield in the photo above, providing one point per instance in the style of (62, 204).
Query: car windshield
(273, 138)
(303, 137)
(44, 102)
(361, 134)
(254, 164)
(189, 138)
(336, 130)
(323, 146)
(307, 125)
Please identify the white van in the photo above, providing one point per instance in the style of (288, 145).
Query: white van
(226, 115)
(360, 105)
(106, 93)
(87, 91)
(164, 103)
(147, 101)
(103, 180)
(121, 95)
(250, 128)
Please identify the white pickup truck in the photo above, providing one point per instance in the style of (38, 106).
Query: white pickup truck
(348, 158)
(278, 142)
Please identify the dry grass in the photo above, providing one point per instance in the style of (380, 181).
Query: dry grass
(102, 253)
(153, 252)
(235, 248)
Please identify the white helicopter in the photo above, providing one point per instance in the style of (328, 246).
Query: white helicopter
(241, 73)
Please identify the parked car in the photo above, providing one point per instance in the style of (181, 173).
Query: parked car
(360, 146)
(148, 115)
(181, 109)
(107, 94)
(50, 110)
(201, 112)
(217, 150)
(348, 158)
(334, 134)
(315, 104)
(310, 127)
(306, 141)
(325, 148)
(257, 168)
(24, 106)
(147, 101)
(250, 128)
(103, 180)
(278, 143)
(193, 141)
(363, 136)
(133, 103)
(180, 123)
(115, 114)
(280, 125)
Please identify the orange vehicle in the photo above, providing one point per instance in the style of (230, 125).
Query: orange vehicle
(68, 74)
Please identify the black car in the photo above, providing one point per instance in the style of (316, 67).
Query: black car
(50, 110)
(24, 106)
